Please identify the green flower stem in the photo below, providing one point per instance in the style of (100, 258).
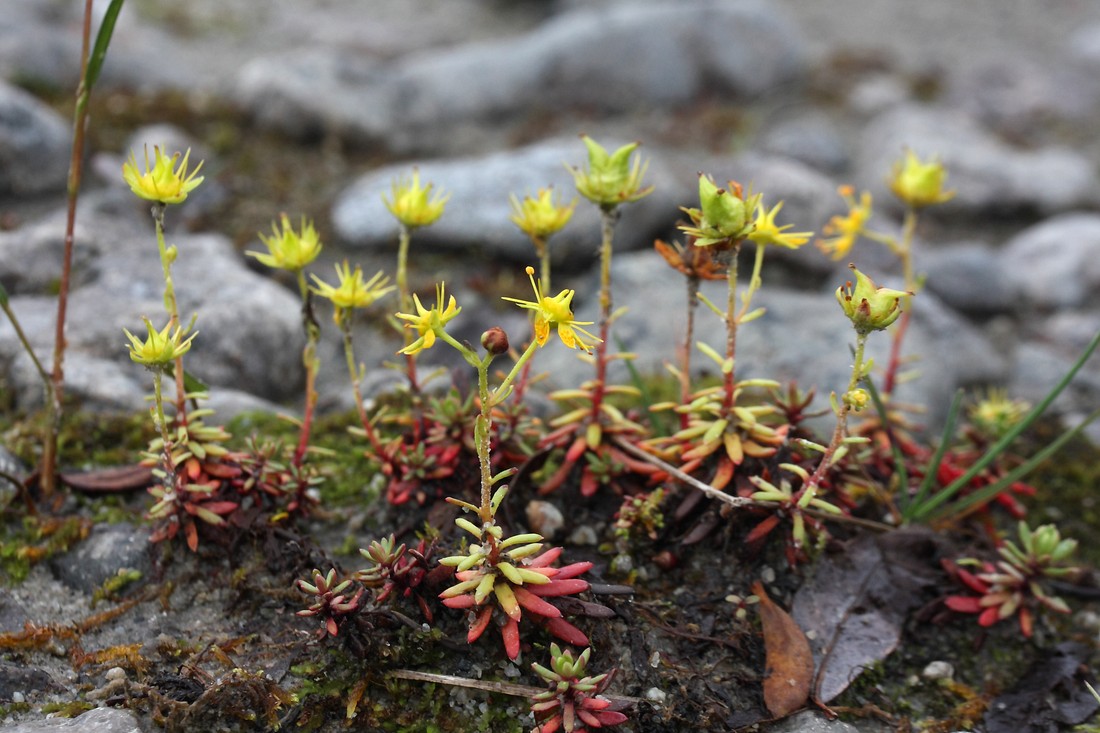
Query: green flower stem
(311, 364)
(483, 427)
(731, 330)
(171, 306)
(543, 253)
(608, 217)
(754, 282)
(404, 235)
(693, 282)
(356, 376)
(158, 413)
(841, 430)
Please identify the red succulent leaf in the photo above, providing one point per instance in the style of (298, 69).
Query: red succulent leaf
(573, 570)
(990, 616)
(724, 474)
(567, 632)
(510, 634)
(534, 604)
(545, 558)
(576, 450)
(590, 483)
(555, 587)
(761, 530)
(964, 604)
(1026, 625)
(464, 601)
(477, 628)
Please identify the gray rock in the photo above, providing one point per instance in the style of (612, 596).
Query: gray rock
(989, 176)
(969, 277)
(1039, 365)
(32, 52)
(34, 145)
(249, 327)
(107, 550)
(18, 679)
(100, 720)
(1020, 99)
(30, 257)
(609, 59)
(477, 214)
(811, 138)
(1056, 263)
(809, 721)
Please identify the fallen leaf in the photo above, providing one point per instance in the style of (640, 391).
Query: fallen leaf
(854, 607)
(1050, 697)
(790, 665)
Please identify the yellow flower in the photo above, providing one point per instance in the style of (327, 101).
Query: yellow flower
(557, 312)
(288, 249)
(412, 205)
(160, 349)
(429, 323)
(611, 179)
(352, 291)
(847, 227)
(919, 184)
(540, 217)
(162, 181)
(765, 230)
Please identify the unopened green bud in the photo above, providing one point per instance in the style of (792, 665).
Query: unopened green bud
(611, 179)
(869, 307)
(724, 215)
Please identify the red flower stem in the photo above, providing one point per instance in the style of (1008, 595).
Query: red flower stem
(608, 217)
(309, 361)
(47, 474)
(731, 330)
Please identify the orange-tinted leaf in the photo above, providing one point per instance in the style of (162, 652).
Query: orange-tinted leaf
(790, 665)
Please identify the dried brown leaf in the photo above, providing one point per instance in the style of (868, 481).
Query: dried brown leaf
(790, 665)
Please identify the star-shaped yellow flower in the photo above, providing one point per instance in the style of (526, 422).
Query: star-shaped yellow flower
(415, 205)
(162, 181)
(846, 228)
(765, 230)
(288, 249)
(352, 291)
(555, 312)
(429, 323)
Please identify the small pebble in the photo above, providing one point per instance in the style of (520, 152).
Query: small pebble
(583, 535)
(657, 695)
(655, 660)
(18, 697)
(938, 670)
(544, 518)
(767, 575)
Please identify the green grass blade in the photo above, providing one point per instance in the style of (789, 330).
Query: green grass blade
(102, 42)
(933, 467)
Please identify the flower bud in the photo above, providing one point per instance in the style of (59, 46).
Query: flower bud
(869, 307)
(857, 399)
(918, 183)
(495, 341)
(723, 215)
(611, 179)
